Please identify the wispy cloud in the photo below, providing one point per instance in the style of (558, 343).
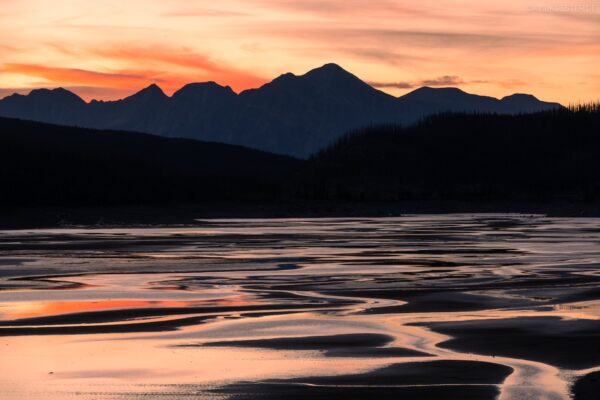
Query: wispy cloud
(446, 80)
(337, 8)
(393, 85)
(80, 76)
(380, 38)
(199, 66)
(169, 67)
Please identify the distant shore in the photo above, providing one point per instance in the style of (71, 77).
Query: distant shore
(169, 215)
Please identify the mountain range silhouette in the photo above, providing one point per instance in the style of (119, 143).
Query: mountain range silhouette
(292, 115)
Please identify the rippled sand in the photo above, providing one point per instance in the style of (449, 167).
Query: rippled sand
(421, 307)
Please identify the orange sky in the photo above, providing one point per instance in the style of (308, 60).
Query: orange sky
(108, 49)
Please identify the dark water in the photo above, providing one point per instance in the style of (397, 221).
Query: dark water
(421, 307)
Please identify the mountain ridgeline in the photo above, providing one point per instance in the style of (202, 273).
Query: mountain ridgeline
(544, 157)
(292, 115)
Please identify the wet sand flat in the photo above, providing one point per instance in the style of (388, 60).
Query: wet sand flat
(427, 380)
(570, 344)
(418, 307)
(348, 345)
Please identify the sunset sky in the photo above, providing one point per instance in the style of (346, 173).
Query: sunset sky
(107, 49)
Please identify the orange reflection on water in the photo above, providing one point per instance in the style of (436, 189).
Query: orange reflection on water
(40, 309)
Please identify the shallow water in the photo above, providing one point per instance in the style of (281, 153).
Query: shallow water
(207, 311)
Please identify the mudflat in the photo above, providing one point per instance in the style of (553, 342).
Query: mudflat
(417, 307)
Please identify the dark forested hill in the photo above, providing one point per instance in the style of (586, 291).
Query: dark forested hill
(294, 114)
(549, 156)
(42, 164)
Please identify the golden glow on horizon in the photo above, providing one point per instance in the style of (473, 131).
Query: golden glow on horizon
(108, 49)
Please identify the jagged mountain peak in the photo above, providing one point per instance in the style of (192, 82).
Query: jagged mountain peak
(151, 91)
(330, 68)
(332, 73)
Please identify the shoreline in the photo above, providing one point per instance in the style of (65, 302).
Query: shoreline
(190, 214)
